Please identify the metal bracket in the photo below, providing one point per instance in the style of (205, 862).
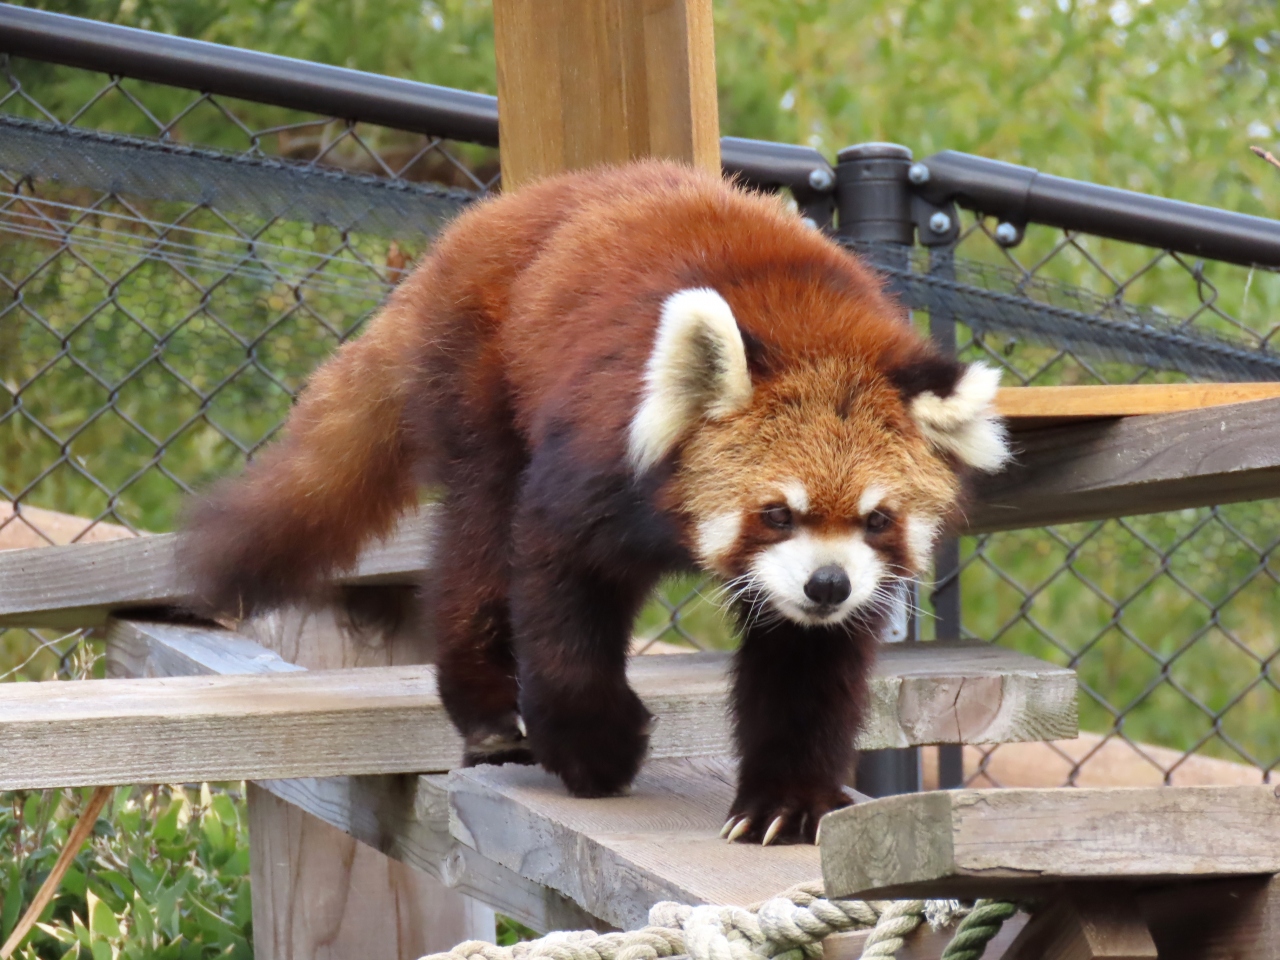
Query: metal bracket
(936, 225)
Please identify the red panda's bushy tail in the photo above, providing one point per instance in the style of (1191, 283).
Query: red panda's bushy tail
(303, 510)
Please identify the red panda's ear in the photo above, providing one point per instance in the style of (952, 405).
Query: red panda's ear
(953, 404)
(698, 368)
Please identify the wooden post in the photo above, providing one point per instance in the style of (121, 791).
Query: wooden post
(319, 894)
(585, 82)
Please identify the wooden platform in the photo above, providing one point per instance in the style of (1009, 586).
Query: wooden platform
(970, 843)
(390, 720)
(619, 856)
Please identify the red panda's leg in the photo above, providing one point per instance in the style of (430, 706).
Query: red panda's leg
(581, 569)
(476, 667)
(467, 591)
(572, 630)
(799, 694)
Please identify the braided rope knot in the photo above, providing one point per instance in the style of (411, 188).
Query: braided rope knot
(790, 926)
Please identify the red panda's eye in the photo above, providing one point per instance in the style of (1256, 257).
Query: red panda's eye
(877, 521)
(778, 516)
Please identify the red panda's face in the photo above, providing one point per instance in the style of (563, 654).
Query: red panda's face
(814, 490)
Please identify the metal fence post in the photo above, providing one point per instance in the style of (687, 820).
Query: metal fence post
(873, 202)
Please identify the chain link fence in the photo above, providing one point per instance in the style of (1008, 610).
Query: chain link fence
(174, 264)
(1170, 618)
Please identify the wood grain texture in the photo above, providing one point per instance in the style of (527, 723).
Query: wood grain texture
(1215, 920)
(1086, 922)
(1000, 842)
(296, 863)
(1027, 407)
(80, 585)
(618, 856)
(586, 82)
(320, 895)
(1134, 465)
(389, 719)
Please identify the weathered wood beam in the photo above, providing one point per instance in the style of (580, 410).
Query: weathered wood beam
(618, 856)
(1215, 920)
(1066, 474)
(1134, 465)
(1032, 407)
(80, 585)
(586, 82)
(403, 816)
(1086, 922)
(390, 720)
(962, 843)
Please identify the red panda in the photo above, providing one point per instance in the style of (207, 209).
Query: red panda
(609, 376)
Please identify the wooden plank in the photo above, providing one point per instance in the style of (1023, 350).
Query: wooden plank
(318, 893)
(586, 82)
(390, 720)
(1035, 407)
(1086, 922)
(82, 584)
(23, 526)
(616, 857)
(1134, 465)
(1215, 920)
(998, 842)
(1094, 470)
(405, 817)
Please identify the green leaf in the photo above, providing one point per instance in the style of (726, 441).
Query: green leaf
(144, 921)
(11, 906)
(75, 882)
(225, 809)
(166, 825)
(102, 950)
(60, 934)
(102, 920)
(81, 931)
(144, 878)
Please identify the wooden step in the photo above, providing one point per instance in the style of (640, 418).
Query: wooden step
(979, 843)
(390, 720)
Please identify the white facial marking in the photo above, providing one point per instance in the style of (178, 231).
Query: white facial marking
(698, 368)
(784, 568)
(717, 535)
(921, 532)
(797, 496)
(965, 423)
(871, 498)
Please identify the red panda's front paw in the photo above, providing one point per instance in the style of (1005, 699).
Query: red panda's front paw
(786, 818)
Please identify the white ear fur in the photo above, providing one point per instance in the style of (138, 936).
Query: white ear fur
(965, 423)
(698, 368)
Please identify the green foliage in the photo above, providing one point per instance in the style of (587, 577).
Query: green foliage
(163, 877)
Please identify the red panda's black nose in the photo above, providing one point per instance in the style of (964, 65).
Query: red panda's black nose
(828, 585)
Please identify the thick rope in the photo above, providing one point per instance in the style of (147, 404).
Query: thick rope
(977, 929)
(790, 926)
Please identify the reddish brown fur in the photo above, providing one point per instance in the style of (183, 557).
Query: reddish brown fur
(506, 371)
